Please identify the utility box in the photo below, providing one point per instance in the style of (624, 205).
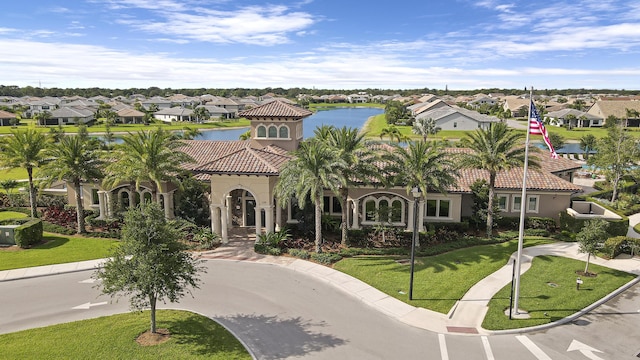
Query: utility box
(7, 234)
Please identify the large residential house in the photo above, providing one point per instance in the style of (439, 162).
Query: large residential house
(242, 176)
(174, 114)
(618, 108)
(6, 117)
(67, 115)
(578, 118)
(452, 117)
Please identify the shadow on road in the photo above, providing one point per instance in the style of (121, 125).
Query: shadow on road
(273, 337)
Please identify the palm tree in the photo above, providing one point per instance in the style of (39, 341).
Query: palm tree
(425, 127)
(359, 163)
(588, 143)
(201, 113)
(422, 165)
(25, 149)
(190, 133)
(75, 159)
(316, 167)
(42, 117)
(151, 156)
(392, 132)
(495, 149)
(245, 135)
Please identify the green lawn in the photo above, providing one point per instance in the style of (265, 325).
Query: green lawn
(550, 287)
(192, 337)
(16, 174)
(439, 281)
(4, 215)
(58, 249)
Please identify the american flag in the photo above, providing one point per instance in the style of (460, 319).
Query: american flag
(536, 127)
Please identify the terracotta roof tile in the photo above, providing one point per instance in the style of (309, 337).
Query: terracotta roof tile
(246, 161)
(276, 109)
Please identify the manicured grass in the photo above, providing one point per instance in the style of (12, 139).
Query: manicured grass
(538, 295)
(58, 249)
(4, 215)
(192, 337)
(439, 281)
(16, 174)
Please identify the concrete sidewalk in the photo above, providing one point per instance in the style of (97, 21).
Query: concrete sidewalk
(465, 318)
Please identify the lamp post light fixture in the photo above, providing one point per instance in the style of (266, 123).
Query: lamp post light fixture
(416, 202)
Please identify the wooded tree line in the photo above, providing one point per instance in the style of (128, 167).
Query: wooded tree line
(17, 91)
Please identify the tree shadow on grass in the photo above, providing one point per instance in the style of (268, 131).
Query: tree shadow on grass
(50, 242)
(272, 337)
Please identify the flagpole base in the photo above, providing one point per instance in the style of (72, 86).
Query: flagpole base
(518, 314)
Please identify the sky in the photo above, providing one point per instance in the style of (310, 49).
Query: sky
(324, 44)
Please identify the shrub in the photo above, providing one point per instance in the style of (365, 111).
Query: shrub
(459, 227)
(60, 216)
(536, 232)
(206, 239)
(547, 224)
(29, 233)
(270, 243)
(326, 258)
(299, 253)
(511, 223)
(54, 228)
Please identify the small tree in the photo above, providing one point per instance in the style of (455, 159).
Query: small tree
(592, 234)
(150, 265)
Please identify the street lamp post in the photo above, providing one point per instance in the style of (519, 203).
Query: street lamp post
(416, 201)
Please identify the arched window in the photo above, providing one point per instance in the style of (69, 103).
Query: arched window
(284, 132)
(261, 131)
(384, 210)
(396, 211)
(137, 198)
(273, 131)
(370, 210)
(147, 197)
(124, 199)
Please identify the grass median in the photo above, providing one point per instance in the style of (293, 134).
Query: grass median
(56, 249)
(192, 336)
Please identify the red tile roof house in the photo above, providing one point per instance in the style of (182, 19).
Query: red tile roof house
(243, 175)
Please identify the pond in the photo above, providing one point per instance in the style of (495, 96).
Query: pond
(338, 117)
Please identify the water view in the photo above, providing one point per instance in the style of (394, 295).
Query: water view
(350, 117)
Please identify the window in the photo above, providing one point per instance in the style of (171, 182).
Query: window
(431, 207)
(370, 210)
(396, 211)
(455, 124)
(532, 204)
(273, 131)
(383, 205)
(443, 209)
(337, 206)
(384, 210)
(95, 199)
(284, 132)
(124, 199)
(502, 202)
(261, 131)
(326, 201)
(517, 200)
(147, 197)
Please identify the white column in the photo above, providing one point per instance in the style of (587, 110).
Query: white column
(258, 220)
(411, 215)
(278, 216)
(108, 206)
(421, 216)
(215, 219)
(268, 218)
(101, 204)
(229, 209)
(168, 205)
(224, 225)
(356, 205)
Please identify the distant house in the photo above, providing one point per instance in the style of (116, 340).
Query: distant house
(217, 112)
(360, 97)
(457, 118)
(605, 108)
(476, 103)
(519, 107)
(6, 117)
(160, 102)
(174, 114)
(68, 115)
(419, 108)
(581, 119)
(129, 116)
(231, 106)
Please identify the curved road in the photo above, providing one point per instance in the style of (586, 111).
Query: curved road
(279, 314)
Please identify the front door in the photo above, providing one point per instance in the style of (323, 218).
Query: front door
(250, 213)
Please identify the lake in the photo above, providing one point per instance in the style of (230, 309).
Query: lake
(338, 117)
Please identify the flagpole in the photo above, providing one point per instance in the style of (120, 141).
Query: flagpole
(523, 202)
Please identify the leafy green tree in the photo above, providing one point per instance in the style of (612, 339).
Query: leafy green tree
(25, 149)
(556, 140)
(571, 121)
(587, 144)
(394, 112)
(201, 114)
(150, 264)
(425, 127)
(146, 156)
(422, 165)
(592, 234)
(495, 149)
(8, 186)
(315, 167)
(75, 159)
(617, 153)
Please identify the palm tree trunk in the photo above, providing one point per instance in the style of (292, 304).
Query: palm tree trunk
(344, 192)
(32, 193)
(79, 207)
(318, 218)
(492, 185)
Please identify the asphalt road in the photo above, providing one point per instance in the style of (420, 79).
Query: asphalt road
(281, 314)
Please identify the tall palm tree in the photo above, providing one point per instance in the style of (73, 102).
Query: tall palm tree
(315, 167)
(42, 117)
(25, 149)
(588, 143)
(425, 127)
(495, 149)
(152, 156)
(422, 165)
(74, 159)
(359, 161)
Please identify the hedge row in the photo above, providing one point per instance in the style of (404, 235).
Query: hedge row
(29, 233)
(617, 245)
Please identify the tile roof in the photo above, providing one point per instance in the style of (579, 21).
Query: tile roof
(7, 115)
(204, 151)
(512, 180)
(276, 109)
